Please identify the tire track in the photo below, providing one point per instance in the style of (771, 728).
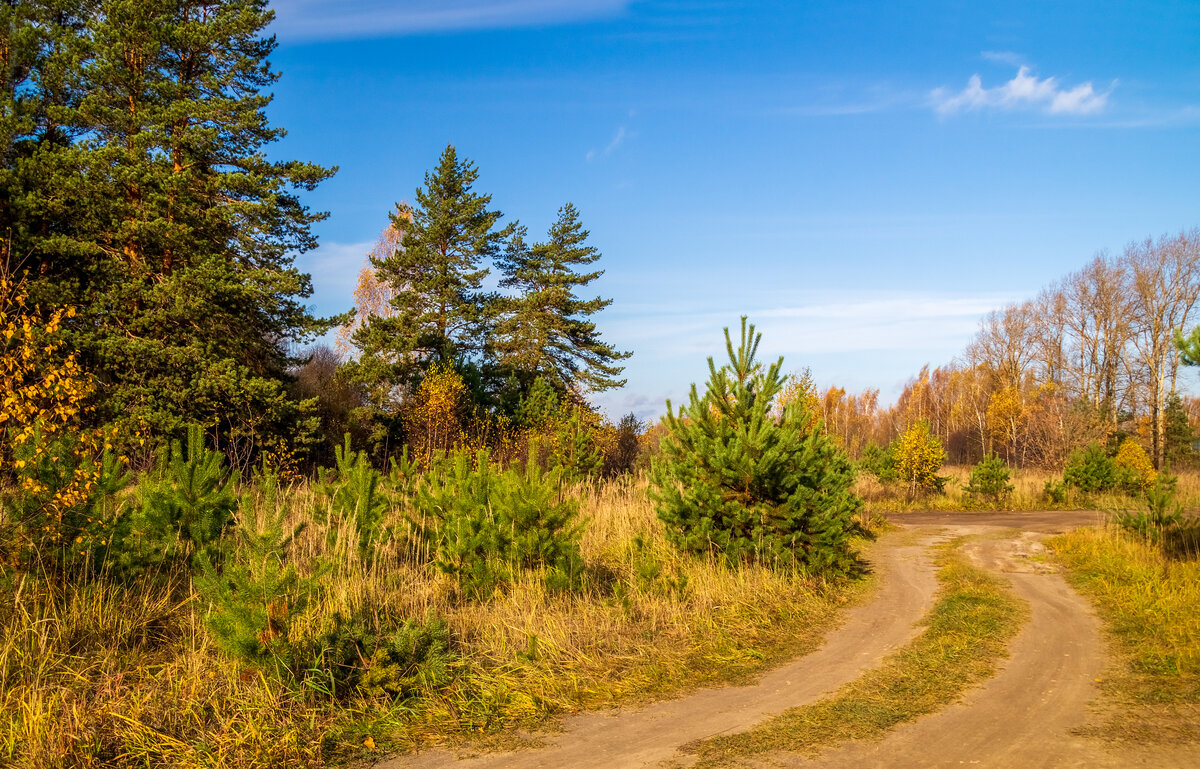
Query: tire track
(1025, 715)
(647, 736)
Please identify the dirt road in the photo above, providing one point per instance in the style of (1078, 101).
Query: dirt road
(1023, 718)
(646, 736)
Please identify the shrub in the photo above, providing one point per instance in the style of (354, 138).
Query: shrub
(918, 455)
(1055, 493)
(622, 455)
(1090, 470)
(253, 597)
(63, 476)
(1160, 512)
(989, 479)
(1135, 472)
(180, 510)
(483, 524)
(368, 652)
(351, 500)
(739, 482)
(879, 461)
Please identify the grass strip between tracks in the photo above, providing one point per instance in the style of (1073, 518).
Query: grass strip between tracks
(966, 635)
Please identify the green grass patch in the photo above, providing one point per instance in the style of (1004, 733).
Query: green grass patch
(1151, 610)
(966, 635)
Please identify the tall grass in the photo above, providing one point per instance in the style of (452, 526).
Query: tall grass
(1151, 608)
(97, 672)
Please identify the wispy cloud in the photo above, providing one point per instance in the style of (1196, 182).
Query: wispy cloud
(881, 322)
(838, 97)
(1004, 57)
(618, 139)
(338, 19)
(1024, 91)
(898, 331)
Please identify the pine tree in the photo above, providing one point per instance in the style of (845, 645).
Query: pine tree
(436, 277)
(741, 484)
(545, 331)
(156, 211)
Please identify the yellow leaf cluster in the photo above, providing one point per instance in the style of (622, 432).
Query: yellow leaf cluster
(1132, 456)
(918, 457)
(45, 394)
(436, 423)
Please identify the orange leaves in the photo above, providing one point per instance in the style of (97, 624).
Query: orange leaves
(372, 296)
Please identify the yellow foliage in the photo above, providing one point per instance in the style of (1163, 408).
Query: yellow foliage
(1005, 413)
(918, 457)
(436, 416)
(799, 388)
(54, 462)
(1133, 457)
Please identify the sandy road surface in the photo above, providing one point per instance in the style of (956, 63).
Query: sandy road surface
(644, 737)
(1023, 718)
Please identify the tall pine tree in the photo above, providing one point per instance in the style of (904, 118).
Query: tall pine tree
(158, 213)
(545, 331)
(441, 312)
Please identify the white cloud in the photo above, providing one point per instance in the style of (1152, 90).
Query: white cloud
(617, 140)
(901, 321)
(339, 19)
(1024, 91)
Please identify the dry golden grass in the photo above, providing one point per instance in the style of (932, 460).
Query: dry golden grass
(98, 673)
(1151, 609)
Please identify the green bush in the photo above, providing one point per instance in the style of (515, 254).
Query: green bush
(1160, 512)
(351, 500)
(1091, 470)
(1055, 493)
(368, 653)
(879, 461)
(989, 480)
(484, 524)
(253, 596)
(179, 511)
(740, 482)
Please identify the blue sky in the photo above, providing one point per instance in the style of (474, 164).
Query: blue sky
(863, 179)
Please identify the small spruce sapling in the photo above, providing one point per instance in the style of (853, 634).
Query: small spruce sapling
(483, 524)
(989, 480)
(180, 511)
(1090, 470)
(352, 500)
(254, 596)
(745, 484)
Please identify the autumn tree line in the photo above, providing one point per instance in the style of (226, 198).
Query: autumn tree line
(1094, 357)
